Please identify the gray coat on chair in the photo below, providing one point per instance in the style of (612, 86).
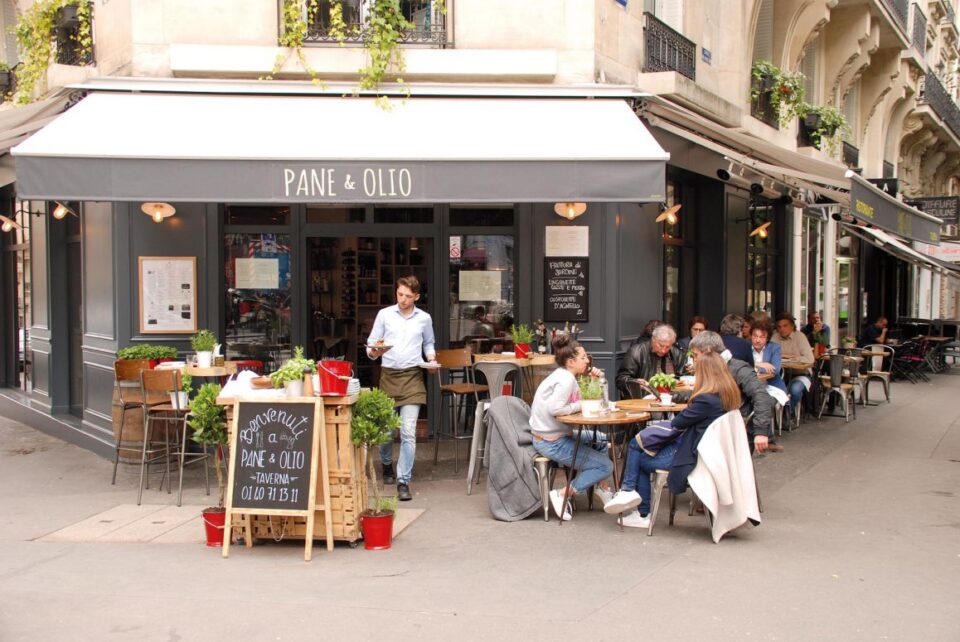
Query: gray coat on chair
(512, 488)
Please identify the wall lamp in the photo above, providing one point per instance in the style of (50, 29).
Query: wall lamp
(61, 211)
(570, 211)
(8, 224)
(158, 211)
(669, 215)
(761, 230)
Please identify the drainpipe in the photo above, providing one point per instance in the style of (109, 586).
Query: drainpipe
(830, 280)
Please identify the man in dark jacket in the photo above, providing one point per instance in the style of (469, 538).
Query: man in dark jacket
(730, 330)
(752, 390)
(643, 360)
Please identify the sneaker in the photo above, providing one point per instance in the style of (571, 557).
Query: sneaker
(623, 501)
(602, 494)
(388, 476)
(403, 492)
(556, 501)
(634, 520)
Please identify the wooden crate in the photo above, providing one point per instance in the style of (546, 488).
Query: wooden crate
(348, 491)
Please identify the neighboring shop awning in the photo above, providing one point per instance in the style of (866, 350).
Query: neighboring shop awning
(282, 149)
(17, 123)
(871, 205)
(901, 250)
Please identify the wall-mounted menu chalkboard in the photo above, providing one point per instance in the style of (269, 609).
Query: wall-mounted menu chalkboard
(565, 289)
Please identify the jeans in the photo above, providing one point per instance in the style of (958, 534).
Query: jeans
(640, 465)
(592, 466)
(408, 444)
(797, 390)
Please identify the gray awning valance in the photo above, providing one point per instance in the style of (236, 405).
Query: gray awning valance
(282, 149)
(874, 206)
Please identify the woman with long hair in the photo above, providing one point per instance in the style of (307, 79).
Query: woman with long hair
(714, 394)
(557, 395)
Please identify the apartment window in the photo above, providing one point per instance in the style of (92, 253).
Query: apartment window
(763, 34)
(669, 11)
(851, 110)
(808, 67)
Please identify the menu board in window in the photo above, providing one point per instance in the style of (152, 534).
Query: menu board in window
(565, 289)
(168, 294)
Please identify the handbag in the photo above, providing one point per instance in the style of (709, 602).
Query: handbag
(656, 435)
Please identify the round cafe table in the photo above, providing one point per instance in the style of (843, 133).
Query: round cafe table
(610, 421)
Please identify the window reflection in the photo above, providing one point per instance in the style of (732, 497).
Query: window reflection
(481, 291)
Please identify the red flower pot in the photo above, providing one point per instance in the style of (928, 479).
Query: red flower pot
(213, 524)
(662, 389)
(377, 530)
(522, 350)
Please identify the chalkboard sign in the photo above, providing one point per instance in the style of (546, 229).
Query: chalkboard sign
(565, 289)
(275, 448)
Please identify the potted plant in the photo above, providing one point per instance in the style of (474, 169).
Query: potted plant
(203, 343)
(291, 373)
(180, 399)
(153, 353)
(823, 123)
(208, 421)
(591, 396)
(522, 335)
(848, 342)
(663, 382)
(784, 89)
(374, 420)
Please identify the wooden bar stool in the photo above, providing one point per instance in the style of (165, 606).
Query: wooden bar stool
(455, 361)
(127, 396)
(155, 388)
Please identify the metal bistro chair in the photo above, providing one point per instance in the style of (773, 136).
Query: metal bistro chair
(155, 386)
(842, 380)
(879, 369)
(496, 375)
(128, 396)
(249, 364)
(454, 362)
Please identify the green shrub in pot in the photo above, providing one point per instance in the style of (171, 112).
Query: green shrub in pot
(372, 425)
(293, 369)
(147, 351)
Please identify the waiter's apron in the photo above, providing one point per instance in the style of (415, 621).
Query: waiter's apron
(404, 386)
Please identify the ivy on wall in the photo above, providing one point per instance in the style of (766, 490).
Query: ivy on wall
(36, 38)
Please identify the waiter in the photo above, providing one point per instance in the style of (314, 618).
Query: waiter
(407, 333)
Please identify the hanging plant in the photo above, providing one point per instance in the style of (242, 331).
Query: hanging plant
(785, 89)
(826, 125)
(36, 35)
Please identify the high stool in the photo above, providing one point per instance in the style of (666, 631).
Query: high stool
(126, 386)
(155, 385)
(457, 359)
(546, 471)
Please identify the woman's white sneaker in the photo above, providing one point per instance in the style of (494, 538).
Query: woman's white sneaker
(634, 520)
(556, 501)
(623, 501)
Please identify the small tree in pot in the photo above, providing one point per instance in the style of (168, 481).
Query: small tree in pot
(522, 335)
(373, 423)
(208, 421)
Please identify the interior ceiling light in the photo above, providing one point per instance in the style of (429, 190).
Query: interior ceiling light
(8, 224)
(60, 211)
(669, 215)
(158, 211)
(570, 211)
(761, 230)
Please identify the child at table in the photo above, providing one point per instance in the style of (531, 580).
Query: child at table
(557, 395)
(714, 394)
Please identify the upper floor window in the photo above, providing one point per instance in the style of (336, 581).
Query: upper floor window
(429, 22)
(808, 67)
(763, 34)
(669, 11)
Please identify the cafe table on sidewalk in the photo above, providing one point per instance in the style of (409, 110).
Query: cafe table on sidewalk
(611, 421)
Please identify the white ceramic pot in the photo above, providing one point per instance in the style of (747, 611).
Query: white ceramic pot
(590, 407)
(294, 388)
(179, 400)
(204, 359)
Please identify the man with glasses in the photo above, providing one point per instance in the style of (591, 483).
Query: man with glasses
(643, 360)
(796, 352)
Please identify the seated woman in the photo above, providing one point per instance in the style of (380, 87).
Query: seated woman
(714, 393)
(558, 395)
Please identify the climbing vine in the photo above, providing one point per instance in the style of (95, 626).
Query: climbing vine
(36, 36)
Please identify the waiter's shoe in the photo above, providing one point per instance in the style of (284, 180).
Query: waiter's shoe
(403, 492)
(388, 475)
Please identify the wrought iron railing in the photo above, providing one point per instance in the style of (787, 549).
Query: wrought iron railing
(664, 49)
(69, 50)
(851, 155)
(430, 23)
(898, 9)
(803, 134)
(940, 101)
(951, 16)
(919, 30)
(761, 107)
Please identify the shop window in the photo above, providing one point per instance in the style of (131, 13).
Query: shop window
(481, 216)
(257, 270)
(763, 257)
(811, 280)
(256, 215)
(482, 304)
(335, 214)
(403, 214)
(672, 262)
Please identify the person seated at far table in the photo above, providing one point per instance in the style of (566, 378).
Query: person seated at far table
(643, 360)
(714, 393)
(694, 327)
(817, 333)
(730, 331)
(766, 359)
(559, 394)
(747, 329)
(875, 333)
(796, 351)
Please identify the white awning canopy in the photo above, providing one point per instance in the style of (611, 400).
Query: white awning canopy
(217, 148)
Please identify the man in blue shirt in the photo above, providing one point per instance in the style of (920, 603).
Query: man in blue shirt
(407, 334)
(818, 332)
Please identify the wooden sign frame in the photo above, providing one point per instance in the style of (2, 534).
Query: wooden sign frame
(318, 449)
(142, 294)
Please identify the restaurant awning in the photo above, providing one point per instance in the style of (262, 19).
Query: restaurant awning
(901, 250)
(19, 123)
(872, 205)
(243, 148)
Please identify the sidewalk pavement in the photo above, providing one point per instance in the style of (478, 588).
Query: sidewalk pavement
(860, 540)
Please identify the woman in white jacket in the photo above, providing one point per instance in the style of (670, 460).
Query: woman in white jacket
(558, 395)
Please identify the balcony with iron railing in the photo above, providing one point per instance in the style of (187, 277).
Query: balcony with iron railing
(429, 20)
(899, 10)
(919, 36)
(941, 103)
(664, 49)
(761, 103)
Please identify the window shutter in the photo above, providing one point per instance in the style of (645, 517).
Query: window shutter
(671, 12)
(851, 108)
(8, 16)
(808, 66)
(763, 35)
